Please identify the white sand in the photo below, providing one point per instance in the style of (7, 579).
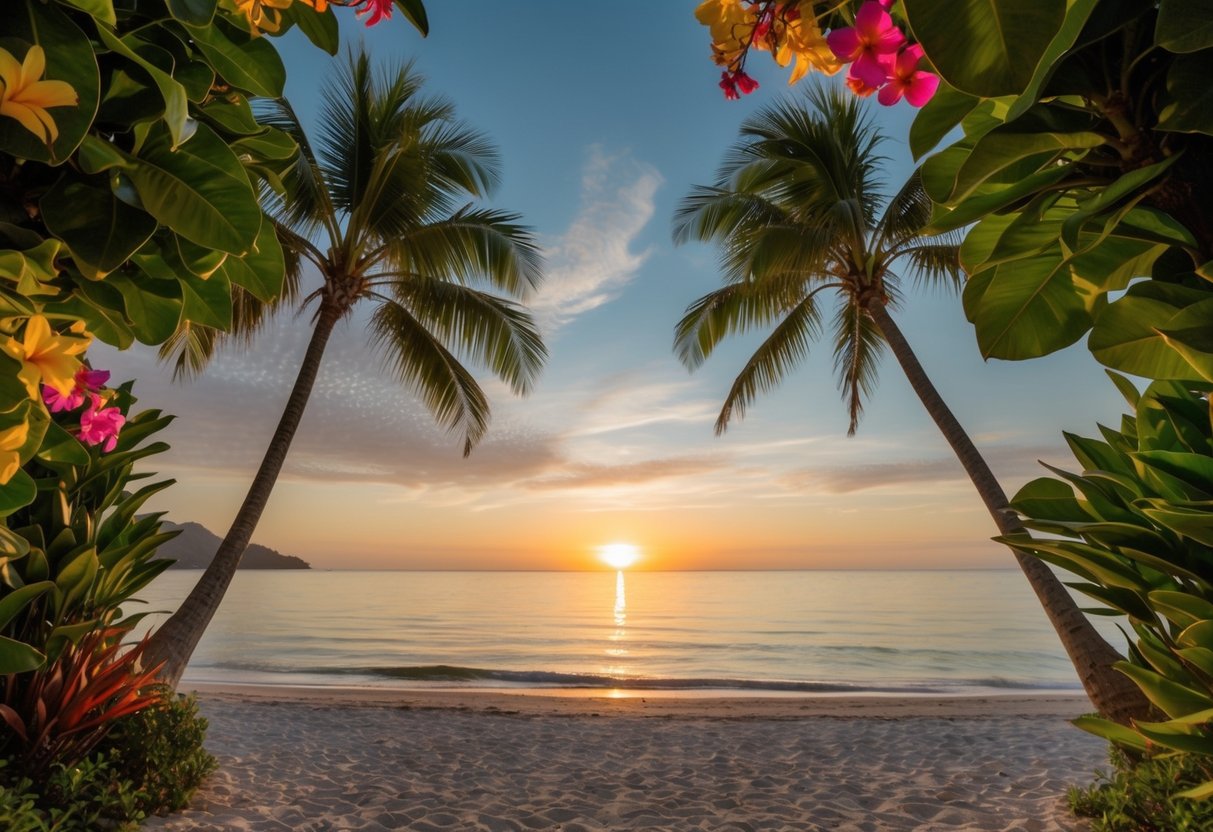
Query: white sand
(322, 761)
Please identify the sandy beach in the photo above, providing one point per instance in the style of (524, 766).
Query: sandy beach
(323, 760)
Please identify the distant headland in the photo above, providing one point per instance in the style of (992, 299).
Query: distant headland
(196, 545)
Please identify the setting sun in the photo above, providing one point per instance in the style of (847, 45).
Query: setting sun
(619, 555)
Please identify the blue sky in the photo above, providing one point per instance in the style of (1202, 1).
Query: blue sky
(605, 115)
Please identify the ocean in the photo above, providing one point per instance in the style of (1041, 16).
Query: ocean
(954, 632)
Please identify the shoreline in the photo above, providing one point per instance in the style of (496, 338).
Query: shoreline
(600, 702)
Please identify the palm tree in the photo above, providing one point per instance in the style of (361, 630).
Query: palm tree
(387, 188)
(797, 213)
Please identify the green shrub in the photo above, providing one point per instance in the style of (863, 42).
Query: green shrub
(152, 762)
(1139, 795)
(161, 750)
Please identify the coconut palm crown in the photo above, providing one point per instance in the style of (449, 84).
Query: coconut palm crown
(383, 207)
(797, 212)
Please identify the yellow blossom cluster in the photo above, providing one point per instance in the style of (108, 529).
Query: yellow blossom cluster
(788, 30)
(266, 15)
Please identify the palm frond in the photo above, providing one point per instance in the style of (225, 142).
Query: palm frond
(422, 363)
(935, 265)
(499, 334)
(858, 346)
(474, 244)
(307, 207)
(786, 346)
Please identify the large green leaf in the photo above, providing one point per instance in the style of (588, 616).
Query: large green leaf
(263, 269)
(193, 12)
(1127, 335)
(207, 302)
(152, 306)
(18, 657)
(942, 114)
(1049, 499)
(414, 12)
(986, 48)
(59, 446)
(1077, 14)
(1190, 336)
(1027, 308)
(246, 62)
(199, 190)
(17, 493)
(1184, 25)
(70, 58)
(101, 230)
(319, 27)
(1191, 95)
(986, 201)
(1191, 521)
(1173, 699)
(998, 150)
(12, 603)
(1112, 731)
(148, 57)
(102, 10)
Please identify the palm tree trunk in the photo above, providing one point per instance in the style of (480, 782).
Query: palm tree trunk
(1112, 693)
(176, 639)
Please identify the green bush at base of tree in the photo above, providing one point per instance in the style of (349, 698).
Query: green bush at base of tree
(151, 763)
(1138, 795)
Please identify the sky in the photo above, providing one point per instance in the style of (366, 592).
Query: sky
(606, 114)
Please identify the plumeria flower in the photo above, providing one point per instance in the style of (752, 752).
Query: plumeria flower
(908, 80)
(263, 15)
(857, 85)
(87, 381)
(100, 425)
(374, 10)
(873, 37)
(11, 440)
(46, 356)
(25, 98)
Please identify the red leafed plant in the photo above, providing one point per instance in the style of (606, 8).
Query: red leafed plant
(62, 710)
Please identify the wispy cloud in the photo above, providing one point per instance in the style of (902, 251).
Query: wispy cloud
(593, 260)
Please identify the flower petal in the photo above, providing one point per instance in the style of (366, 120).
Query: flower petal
(845, 43)
(922, 88)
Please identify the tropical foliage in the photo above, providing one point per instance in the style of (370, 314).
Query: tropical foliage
(130, 167)
(1137, 527)
(72, 561)
(1084, 164)
(383, 206)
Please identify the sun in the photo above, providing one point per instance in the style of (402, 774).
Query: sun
(619, 555)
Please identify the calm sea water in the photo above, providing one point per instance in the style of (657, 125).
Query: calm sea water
(770, 631)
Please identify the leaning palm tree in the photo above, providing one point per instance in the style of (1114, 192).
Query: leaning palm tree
(799, 217)
(387, 190)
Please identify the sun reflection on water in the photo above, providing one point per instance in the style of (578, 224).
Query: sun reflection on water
(617, 650)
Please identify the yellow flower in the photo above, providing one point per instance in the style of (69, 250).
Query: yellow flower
(731, 23)
(264, 15)
(25, 98)
(803, 38)
(11, 440)
(46, 357)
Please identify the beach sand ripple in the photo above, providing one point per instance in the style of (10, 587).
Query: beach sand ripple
(307, 767)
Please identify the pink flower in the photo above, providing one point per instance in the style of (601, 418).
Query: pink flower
(868, 43)
(87, 381)
(907, 79)
(92, 380)
(729, 86)
(374, 10)
(745, 84)
(58, 403)
(857, 85)
(100, 425)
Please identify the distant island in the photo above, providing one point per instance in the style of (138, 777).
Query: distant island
(196, 545)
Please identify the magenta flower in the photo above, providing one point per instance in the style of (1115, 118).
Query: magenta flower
(745, 84)
(907, 79)
(857, 85)
(87, 381)
(374, 10)
(100, 425)
(868, 43)
(57, 402)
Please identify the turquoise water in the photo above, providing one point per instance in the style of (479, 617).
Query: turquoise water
(778, 631)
